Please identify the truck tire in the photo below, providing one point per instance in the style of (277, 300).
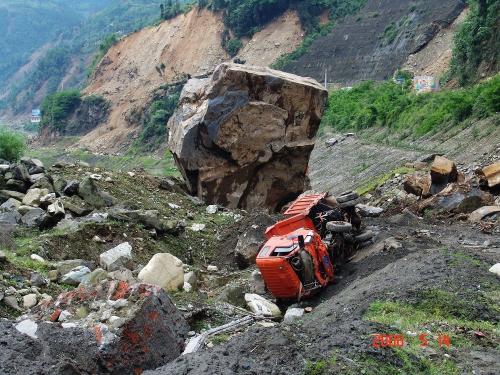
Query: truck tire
(347, 196)
(365, 236)
(339, 226)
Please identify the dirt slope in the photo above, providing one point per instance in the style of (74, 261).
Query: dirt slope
(376, 41)
(434, 59)
(279, 37)
(187, 44)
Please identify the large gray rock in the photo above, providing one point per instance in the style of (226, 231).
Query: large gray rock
(76, 276)
(243, 137)
(88, 191)
(10, 217)
(33, 216)
(145, 333)
(10, 205)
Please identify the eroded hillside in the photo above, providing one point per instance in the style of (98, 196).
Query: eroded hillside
(376, 41)
(188, 44)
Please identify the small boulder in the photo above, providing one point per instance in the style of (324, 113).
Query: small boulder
(71, 188)
(32, 217)
(38, 280)
(443, 171)
(292, 314)
(417, 184)
(492, 174)
(261, 306)
(495, 269)
(29, 301)
(369, 211)
(212, 209)
(10, 204)
(65, 266)
(76, 276)
(33, 196)
(116, 257)
(477, 215)
(88, 191)
(165, 271)
(37, 258)
(10, 217)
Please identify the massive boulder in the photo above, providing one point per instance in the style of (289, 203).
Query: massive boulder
(113, 327)
(242, 138)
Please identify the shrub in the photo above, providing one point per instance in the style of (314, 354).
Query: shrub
(58, 107)
(476, 43)
(12, 145)
(233, 46)
(390, 105)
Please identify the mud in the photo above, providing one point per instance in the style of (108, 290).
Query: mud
(337, 324)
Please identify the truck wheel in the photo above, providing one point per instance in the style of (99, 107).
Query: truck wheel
(347, 196)
(339, 226)
(365, 236)
(350, 203)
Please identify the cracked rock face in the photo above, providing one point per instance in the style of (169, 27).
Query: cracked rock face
(242, 138)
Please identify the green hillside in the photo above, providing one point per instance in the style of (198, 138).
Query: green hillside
(75, 28)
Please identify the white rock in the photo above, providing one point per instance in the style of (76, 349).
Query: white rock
(76, 275)
(37, 258)
(131, 174)
(29, 301)
(56, 208)
(116, 257)
(96, 177)
(190, 277)
(174, 206)
(212, 268)
(293, 313)
(212, 209)
(27, 327)
(261, 306)
(187, 287)
(197, 227)
(495, 269)
(165, 271)
(65, 314)
(118, 304)
(116, 322)
(68, 325)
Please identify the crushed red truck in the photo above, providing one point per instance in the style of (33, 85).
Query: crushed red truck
(318, 233)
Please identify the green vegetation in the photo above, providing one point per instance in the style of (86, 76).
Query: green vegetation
(57, 108)
(79, 27)
(154, 119)
(12, 145)
(233, 46)
(156, 166)
(170, 9)
(108, 42)
(476, 44)
(438, 312)
(373, 183)
(389, 105)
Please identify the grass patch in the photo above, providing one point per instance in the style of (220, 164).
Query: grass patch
(220, 339)
(156, 166)
(439, 312)
(373, 183)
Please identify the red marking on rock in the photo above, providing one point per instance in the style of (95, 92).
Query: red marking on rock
(138, 371)
(98, 334)
(121, 291)
(55, 315)
(153, 315)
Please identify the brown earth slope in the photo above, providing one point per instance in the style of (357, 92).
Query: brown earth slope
(187, 44)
